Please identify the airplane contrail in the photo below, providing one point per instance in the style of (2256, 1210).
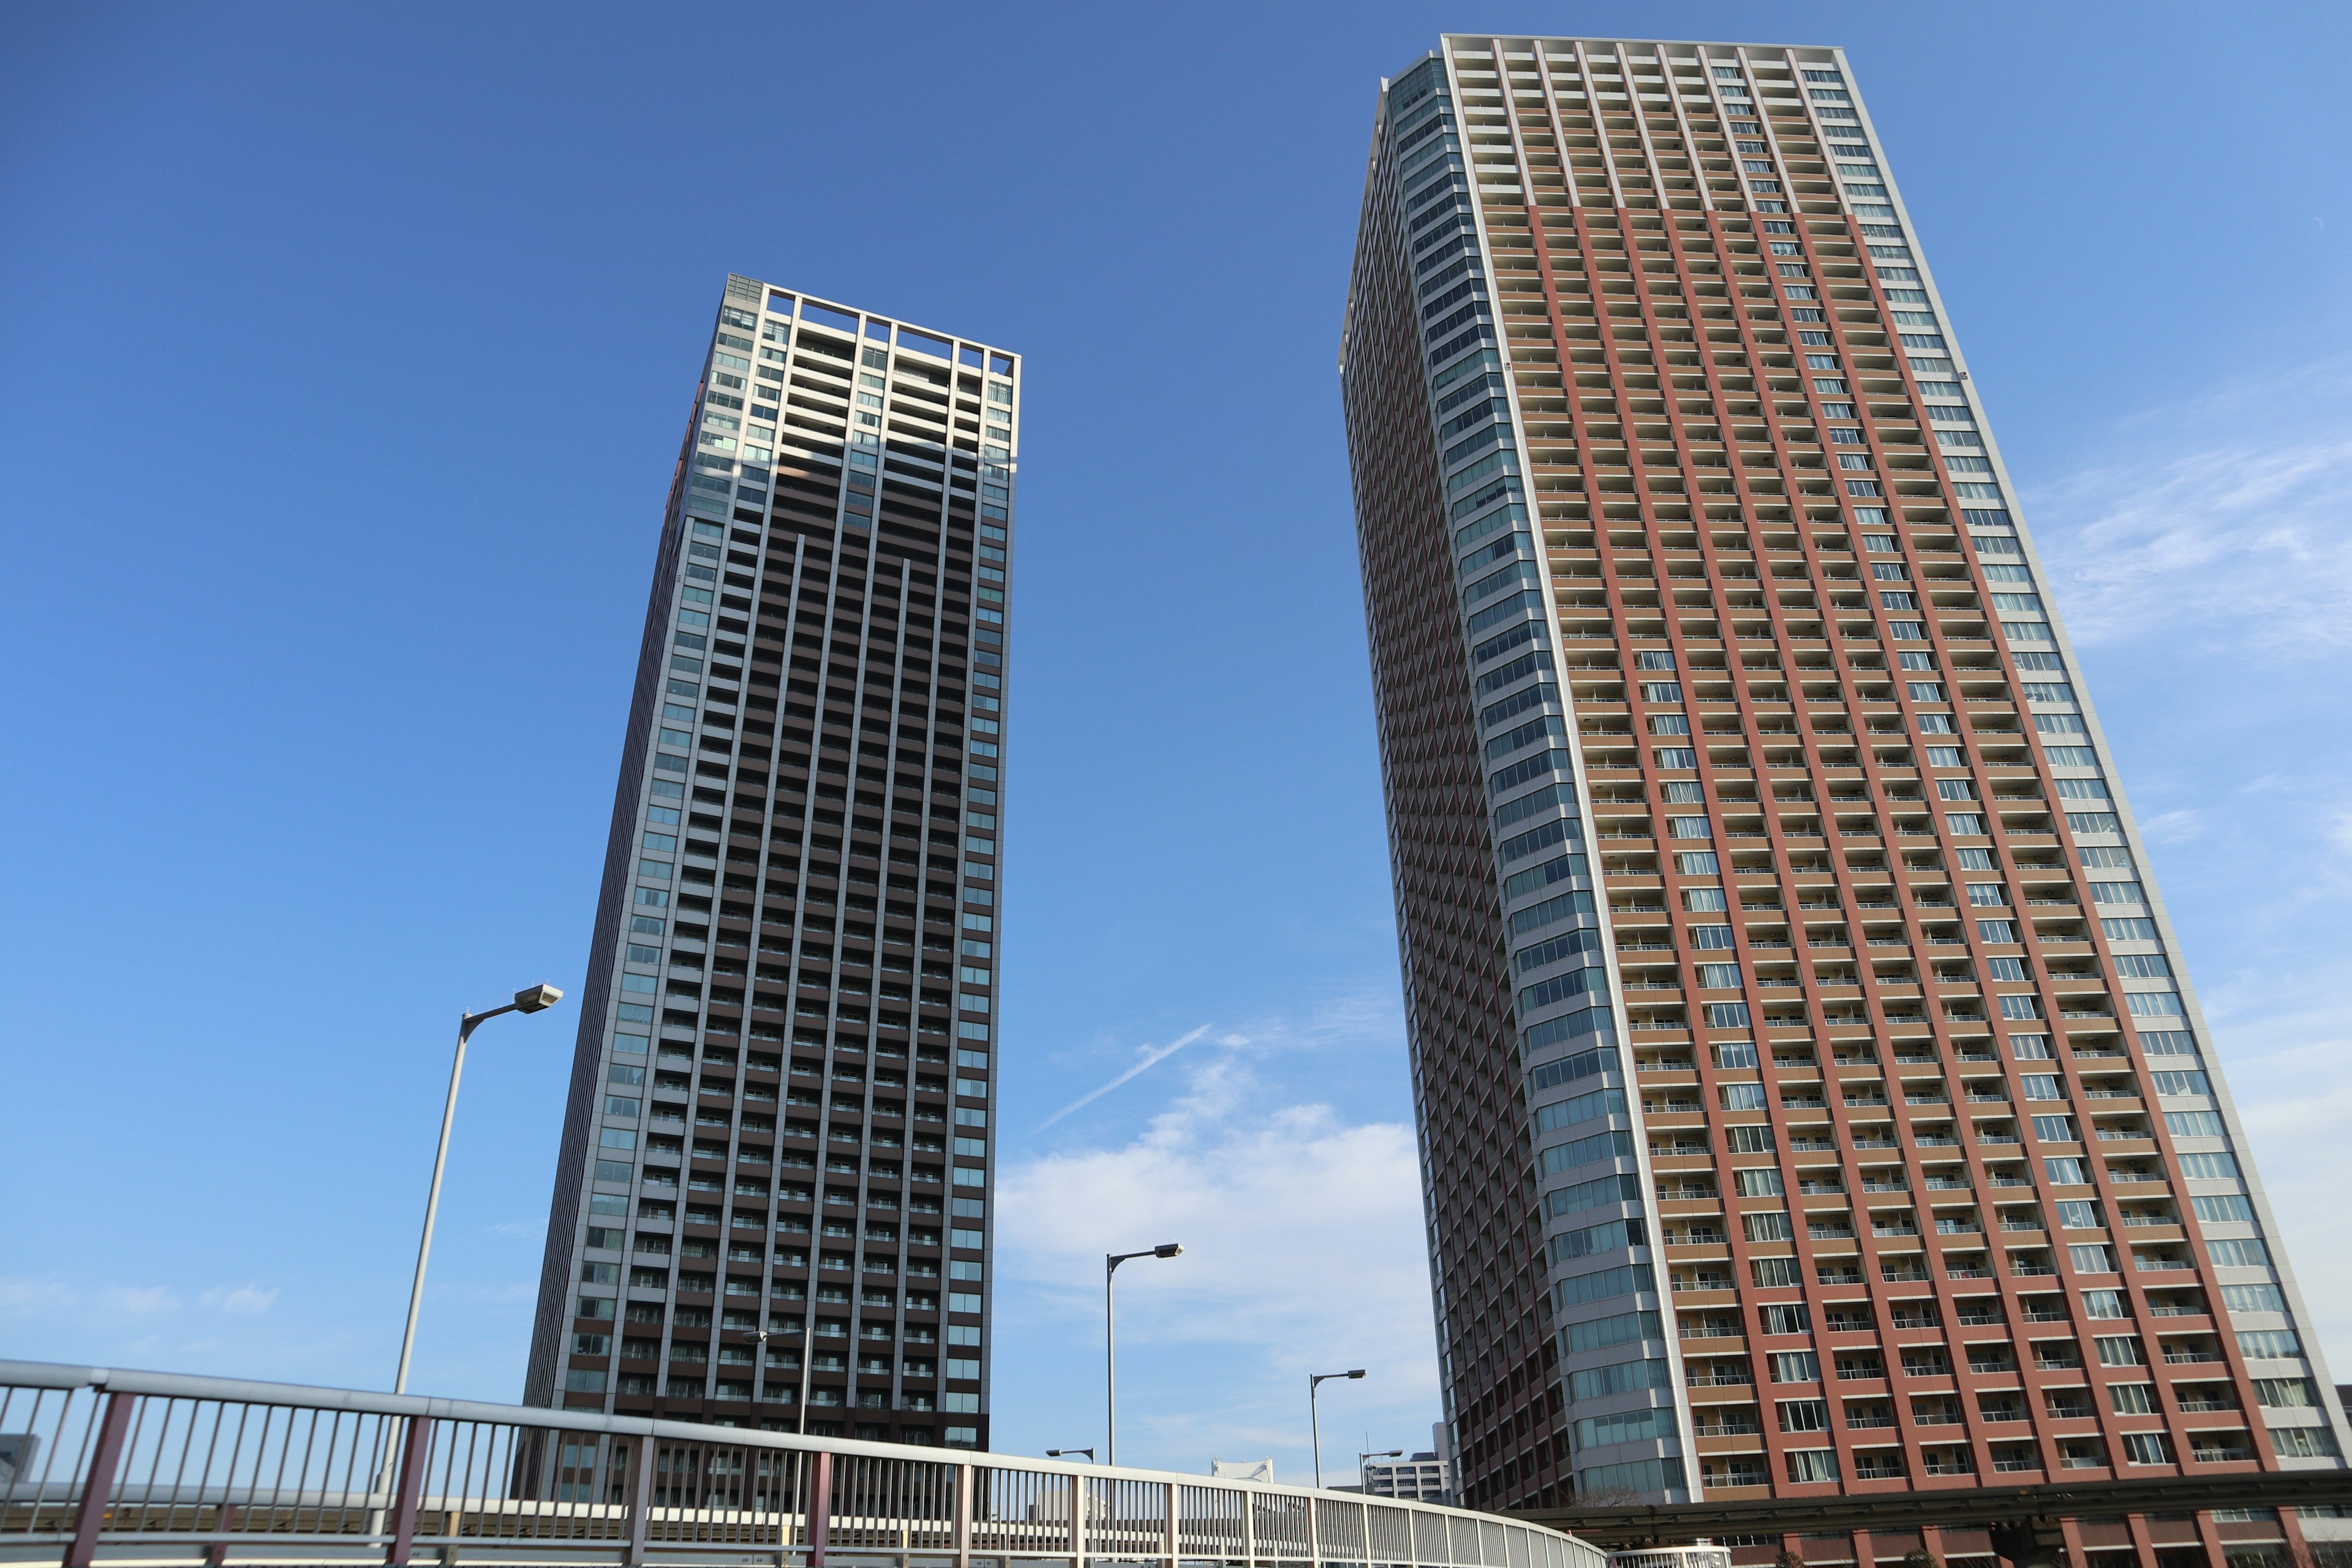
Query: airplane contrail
(1150, 1060)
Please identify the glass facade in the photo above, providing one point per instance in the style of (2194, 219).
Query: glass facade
(774, 1204)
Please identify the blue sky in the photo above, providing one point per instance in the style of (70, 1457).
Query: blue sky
(318, 668)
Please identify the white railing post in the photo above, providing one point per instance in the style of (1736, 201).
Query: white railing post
(964, 1473)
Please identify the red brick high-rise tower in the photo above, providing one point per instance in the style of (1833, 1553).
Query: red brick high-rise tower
(1812, 1097)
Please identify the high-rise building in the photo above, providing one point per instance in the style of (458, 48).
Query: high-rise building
(773, 1199)
(1812, 1097)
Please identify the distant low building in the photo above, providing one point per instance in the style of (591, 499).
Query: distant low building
(1420, 1479)
(1425, 1477)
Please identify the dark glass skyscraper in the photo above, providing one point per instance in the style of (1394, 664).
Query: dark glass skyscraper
(774, 1198)
(1812, 1099)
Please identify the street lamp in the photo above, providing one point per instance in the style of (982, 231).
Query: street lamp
(1363, 1480)
(1314, 1381)
(535, 999)
(761, 1337)
(1057, 1453)
(1111, 1261)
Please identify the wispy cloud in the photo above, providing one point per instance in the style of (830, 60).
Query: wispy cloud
(245, 1299)
(1346, 1019)
(27, 1298)
(2291, 1073)
(52, 1297)
(1288, 1214)
(2209, 548)
(1303, 1241)
(2172, 827)
(139, 1299)
(1152, 1056)
(2220, 519)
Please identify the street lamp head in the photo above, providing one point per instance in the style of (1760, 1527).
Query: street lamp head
(537, 998)
(1358, 1373)
(1111, 1261)
(532, 999)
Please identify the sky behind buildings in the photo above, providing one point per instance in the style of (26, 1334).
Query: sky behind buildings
(343, 360)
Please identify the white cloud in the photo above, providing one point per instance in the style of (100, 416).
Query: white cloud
(141, 1299)
(1147, 1058)
(244, 1299)
(2297, 1099)
(1302, 1233)
(57, 1299)
(1346, 1020)
(2223, 517)
(1273, 1151)
(35, 1297)
(1354, 1019)
(2172, 827)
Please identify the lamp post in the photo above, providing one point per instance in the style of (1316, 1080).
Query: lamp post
(535, 999)
(1058, 1453)
(1316, 1379)
(1111, 1261)
(1365, 1480)
(761, 1337)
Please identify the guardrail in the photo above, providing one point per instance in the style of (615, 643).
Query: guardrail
(141, 1466)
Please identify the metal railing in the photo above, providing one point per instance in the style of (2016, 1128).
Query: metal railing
(156, 1467)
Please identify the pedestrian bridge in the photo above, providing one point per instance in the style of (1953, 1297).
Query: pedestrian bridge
(103, 1466)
